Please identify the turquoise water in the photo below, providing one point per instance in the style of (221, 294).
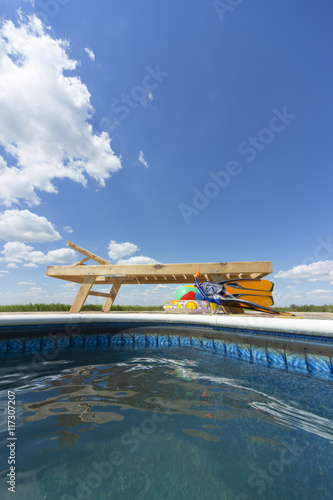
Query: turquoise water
(165, 424)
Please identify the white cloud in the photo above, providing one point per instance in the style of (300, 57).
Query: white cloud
(12, 265)
(142, 159)
(319, 295)
(20, 253)
(90, 53)
(3, 163)
(34, 290)
(23, 225)
(26, 283)
(317, 271)
(44, 127)
(72, 286)
(118, 250)
(68, 229)
(139, 259)
(164, 292)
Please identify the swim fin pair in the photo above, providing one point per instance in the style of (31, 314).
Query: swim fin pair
(255, 294)
(253, 290)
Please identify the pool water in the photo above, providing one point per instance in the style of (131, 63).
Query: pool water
(174, 423)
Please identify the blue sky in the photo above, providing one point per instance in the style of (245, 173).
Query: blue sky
(166, 131)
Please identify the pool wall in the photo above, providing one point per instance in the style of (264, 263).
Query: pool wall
(303, 346)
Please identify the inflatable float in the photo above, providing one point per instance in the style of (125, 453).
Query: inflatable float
(190, 306)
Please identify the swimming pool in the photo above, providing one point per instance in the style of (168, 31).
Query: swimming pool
(158, 410)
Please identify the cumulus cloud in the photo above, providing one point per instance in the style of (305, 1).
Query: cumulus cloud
(3, 163)
(319, 295)
(44, 117)
(90, 53)
(23, 225)
(118, 250)
(139, 259)
(317, 271)
(74, 285)
(16, 252)
(142, 159)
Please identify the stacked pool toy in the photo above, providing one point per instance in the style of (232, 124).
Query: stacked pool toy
(188, 297)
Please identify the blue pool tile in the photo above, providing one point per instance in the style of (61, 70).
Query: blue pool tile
(296, 362)
(128, 340)
(319, 364)
(3, 346)
(103, 339)
(77, 340)
(174, 340)
(231, 349)
(32, 344)
(185, 341)
(219, 345)
(115, 340)
(208, 344)
(151, 341)
(276, 358)
(244, 351)
(63, 341)
(139, 340)
(15, 345)
(91, 340)
(259, 355)
(196, 342)
(49, 342)
(163, 341)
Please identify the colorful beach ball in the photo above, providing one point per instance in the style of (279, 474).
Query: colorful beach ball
(188, 292)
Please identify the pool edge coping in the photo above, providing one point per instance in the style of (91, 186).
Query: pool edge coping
(304, 326)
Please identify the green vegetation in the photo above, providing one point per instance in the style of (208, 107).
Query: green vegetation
(66, 307)
(93, 308)
(306, 308)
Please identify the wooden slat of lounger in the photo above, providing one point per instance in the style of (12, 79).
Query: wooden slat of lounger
(105, 280)
(224, 268)
(88, 254)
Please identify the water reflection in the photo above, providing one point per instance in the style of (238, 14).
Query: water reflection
(99, 394)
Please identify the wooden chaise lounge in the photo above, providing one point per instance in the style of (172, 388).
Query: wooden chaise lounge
(104, 273)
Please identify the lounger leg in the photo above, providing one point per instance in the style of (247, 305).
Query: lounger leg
(110, 300)
(82, 294)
